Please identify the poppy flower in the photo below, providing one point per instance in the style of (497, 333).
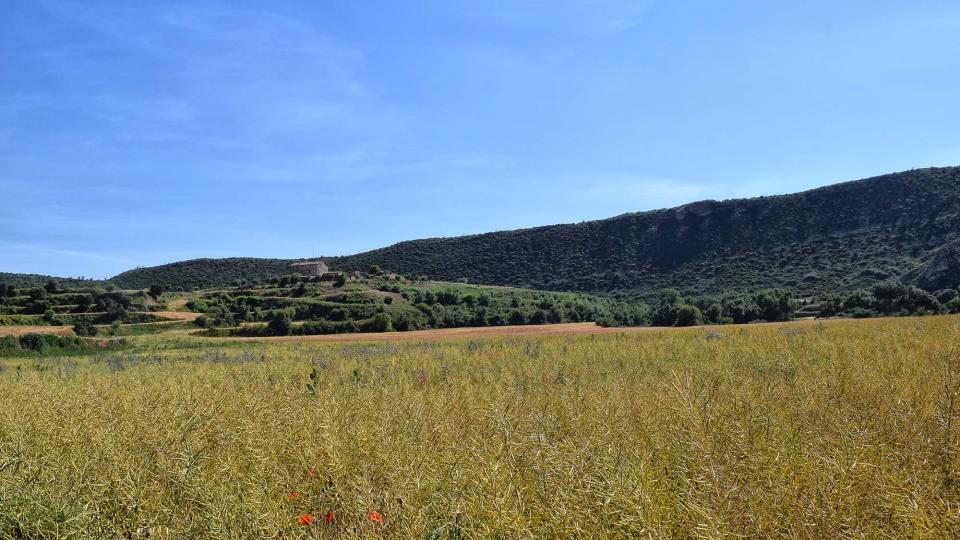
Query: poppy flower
(329, 517)
(305, 519)
(375, 517)
(293, 494)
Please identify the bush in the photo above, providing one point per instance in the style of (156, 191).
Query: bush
(381, 322)
(85, 328)
(155, 292)
(50, 317)
(688, 315)
(517, 317)
(33, 342)
(280, 324)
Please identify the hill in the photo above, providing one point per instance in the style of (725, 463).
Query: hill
(37, 280)
(385, 302)
(202, 273)
(835, 238)
(831, 239)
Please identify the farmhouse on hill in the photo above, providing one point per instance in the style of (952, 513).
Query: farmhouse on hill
(309, 268)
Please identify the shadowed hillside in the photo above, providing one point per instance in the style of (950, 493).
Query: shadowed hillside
(201, 273)
(835, 238)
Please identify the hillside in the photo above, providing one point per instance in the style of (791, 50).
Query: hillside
(382, 302)
(200, 273)
(830, 239)
(36, 280)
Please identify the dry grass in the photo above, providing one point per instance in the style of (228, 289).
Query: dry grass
(820, 431)
(19, 330)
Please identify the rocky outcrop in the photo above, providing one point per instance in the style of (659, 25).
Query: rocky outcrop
(943, 271)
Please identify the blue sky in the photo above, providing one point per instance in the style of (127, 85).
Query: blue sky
(138, 133)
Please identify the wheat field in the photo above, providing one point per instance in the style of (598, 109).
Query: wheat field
(840, 429)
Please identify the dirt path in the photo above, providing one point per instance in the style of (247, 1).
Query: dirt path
(448, 333)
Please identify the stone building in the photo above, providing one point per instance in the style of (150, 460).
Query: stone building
(309, 268)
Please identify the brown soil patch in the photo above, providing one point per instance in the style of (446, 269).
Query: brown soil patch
(20, 330)
(447, 333)
(176, 315)
(527, 330)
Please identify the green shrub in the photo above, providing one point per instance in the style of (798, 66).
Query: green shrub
(688, 315)
(381, 322)
(33, 342)
(84, 328)
(280, 324)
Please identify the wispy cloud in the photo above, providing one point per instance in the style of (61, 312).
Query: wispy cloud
(204, 74)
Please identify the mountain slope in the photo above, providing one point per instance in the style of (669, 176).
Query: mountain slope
(36, 280)
(201, 273)
(830, 239)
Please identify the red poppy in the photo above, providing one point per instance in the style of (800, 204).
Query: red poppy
(293, 494)
(305, 519)
(329, 517)
(375, 517)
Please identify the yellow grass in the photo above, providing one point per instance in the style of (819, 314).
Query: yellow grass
(830, 430)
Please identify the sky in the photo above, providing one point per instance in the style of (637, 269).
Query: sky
(141, 133)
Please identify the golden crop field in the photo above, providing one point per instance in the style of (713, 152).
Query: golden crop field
(841, 429)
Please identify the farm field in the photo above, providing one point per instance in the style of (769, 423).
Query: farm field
(822, 429)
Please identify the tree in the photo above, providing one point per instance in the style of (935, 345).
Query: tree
(280, 324)
(375, 270)
(84, 302)
(668, 301)
(775, 304)
(155, 292)
(37, 293)
(688, 315)
(517, 317)
(50, 317)
(111, 307)
(33, 342)
(341, 279)
(381, 322)
(84, 328)
(50, 286)
(713, 313)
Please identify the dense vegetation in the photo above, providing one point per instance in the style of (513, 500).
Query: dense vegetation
(834, 239)
(891, 299)
(203, 273)
(836, 429)
(829, 240)
(37, 280)
(379, 302)
(53, 305)
(51, 344)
